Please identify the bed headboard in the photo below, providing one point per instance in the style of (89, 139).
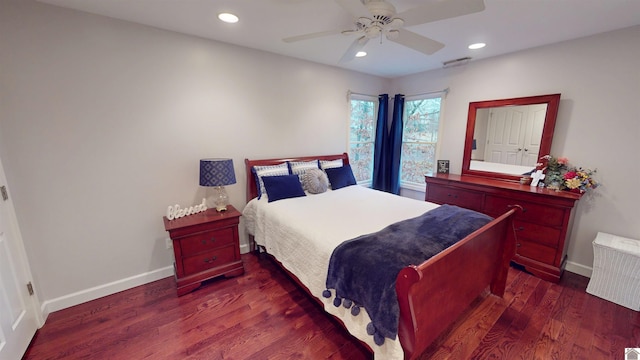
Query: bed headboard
(252, 189)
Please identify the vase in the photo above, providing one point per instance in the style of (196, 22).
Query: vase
(554, 185)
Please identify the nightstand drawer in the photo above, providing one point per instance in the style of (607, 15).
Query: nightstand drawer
(208, 260)
(448, 195)
(206, 241)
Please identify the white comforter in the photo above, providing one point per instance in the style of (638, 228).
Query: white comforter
(302, 233)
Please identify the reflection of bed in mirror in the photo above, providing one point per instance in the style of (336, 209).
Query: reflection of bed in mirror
(500, 168)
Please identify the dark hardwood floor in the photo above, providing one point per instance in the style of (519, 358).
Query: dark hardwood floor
(264, 315)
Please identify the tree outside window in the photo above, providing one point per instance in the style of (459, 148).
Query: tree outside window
(362, 135)
(419, 140)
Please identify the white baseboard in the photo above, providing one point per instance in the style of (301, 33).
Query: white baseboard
(578, 269)
(93, 293)
(96, 292)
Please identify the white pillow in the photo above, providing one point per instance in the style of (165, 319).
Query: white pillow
(315, 181)
(299, 167)
(329, 164)
(268, 170)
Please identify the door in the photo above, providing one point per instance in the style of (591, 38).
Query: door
(505, 132)
(533, 135)
(18, 319)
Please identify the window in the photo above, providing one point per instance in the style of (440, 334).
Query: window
(362, 136)
(421, 124)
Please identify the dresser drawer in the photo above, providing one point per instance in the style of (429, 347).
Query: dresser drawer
(208, 260)
(206, 241)
(535, 213)
(449, 195)
(538, 233)
(535, 251)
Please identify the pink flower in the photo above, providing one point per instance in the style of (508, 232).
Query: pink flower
(570, 175)
(563, 161)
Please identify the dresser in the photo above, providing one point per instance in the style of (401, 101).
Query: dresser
(205, 245)
(541, 229)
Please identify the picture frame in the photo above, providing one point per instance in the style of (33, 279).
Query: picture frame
(443, 167)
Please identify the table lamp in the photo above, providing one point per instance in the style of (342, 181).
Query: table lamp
(217, 173)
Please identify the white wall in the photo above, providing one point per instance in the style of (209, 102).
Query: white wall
(103, 122)
(598, 124)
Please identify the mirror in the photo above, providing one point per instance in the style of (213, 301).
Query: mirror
(505, 138)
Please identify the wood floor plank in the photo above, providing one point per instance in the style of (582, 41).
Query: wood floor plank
(263, 314)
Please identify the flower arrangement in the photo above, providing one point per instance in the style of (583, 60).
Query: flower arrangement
(560, 175)
(580, 179)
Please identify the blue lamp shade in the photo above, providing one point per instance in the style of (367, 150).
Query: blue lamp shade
(217, 172)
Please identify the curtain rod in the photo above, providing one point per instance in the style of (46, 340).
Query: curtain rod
(445, 91)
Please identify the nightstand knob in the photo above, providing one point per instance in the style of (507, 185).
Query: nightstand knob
(204, 241)
(208, 261)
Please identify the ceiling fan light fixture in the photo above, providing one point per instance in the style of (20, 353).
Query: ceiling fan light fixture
(361, 54)
(477, 46)
(228, 18)
(373, 31)
(393, 34)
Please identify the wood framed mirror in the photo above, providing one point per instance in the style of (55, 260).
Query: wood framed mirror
(505, 138)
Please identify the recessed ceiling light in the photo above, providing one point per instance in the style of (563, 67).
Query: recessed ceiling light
(361, 54)
(228, 18)
(477, 46)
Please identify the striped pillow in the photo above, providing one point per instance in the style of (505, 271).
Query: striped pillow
(299, 167)
(268, 170)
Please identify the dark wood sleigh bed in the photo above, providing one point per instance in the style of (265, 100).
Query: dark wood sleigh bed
(433, 294)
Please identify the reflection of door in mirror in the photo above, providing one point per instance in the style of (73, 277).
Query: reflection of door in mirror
(509, 135)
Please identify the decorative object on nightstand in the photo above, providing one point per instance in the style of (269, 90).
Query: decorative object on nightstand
(218, 173)
(205, 245)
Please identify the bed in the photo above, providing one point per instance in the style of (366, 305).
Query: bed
(430, 295)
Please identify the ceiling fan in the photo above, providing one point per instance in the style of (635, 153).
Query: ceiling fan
(375, 18)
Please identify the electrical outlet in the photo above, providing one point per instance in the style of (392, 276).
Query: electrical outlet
(169, 243)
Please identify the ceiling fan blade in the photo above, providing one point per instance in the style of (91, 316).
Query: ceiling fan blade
(357, 45)
(354, 7)
(310, 36)
(439, 10)
(417, 42)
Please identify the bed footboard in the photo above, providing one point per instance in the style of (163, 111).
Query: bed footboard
(435, 293)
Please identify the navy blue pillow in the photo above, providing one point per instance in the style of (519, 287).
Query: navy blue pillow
(340, 177)
(283, 187)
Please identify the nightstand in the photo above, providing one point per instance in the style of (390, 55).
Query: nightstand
(205, 245)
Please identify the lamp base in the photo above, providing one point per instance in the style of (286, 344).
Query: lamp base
(220, 199)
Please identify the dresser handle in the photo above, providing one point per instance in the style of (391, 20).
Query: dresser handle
(520, 228)
(208, 261)
(518, 245)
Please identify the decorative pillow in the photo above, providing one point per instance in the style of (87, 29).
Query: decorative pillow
(283, 187)
(299, 167)
(341, 177)
(268, 170)
(329, 164)
(315, 181)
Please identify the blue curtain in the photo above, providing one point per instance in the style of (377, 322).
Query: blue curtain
(380, 146)
(395, 144)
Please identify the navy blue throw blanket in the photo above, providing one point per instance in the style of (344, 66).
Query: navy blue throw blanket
(363, 271)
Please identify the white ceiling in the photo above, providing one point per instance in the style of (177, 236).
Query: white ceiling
(505, 25)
